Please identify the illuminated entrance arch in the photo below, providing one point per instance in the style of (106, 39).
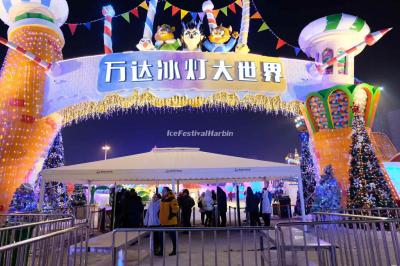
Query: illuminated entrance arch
(37, 98)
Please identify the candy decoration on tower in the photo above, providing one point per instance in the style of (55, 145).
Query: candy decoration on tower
(328, 194)
(24, 133)
(108, 13)
(23, 199)
(368, 185)
(55, 193)
(146, 43)
(241, 46)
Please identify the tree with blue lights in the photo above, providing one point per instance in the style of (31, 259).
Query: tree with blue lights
(308, 175)
(23, 199)
(328, 193)
(55, 193)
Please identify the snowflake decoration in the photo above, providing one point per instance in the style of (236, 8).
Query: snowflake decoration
(357, 182)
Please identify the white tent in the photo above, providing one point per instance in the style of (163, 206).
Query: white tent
(170, 165)
(161, 165)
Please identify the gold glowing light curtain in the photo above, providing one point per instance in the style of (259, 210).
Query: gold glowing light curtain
(24, 134)
(115, 102)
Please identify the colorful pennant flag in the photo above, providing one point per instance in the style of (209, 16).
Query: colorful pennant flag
(296, 50)
(215, 12)
(135, 12)
(88, 25)
(194, 15)
(263, 27)
(256, 15)
(232, 8)
(144, 5)
(280, 43)
(126, 17)
(239, 2)
(175, 10)
(183, 13)
(201, 15)
(225, 10)
(167, 5)
(72, 28)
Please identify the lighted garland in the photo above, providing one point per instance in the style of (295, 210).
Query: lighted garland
(113, 103)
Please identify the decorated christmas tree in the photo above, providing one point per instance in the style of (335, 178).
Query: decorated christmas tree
(368, 187)
(78, 197)
(328, 193)
(278, 190)
(55, 193)
(23, 199)
(308, 175)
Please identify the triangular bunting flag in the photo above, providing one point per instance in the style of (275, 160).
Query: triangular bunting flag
(201, 16)
(280, 43)
(88, 25)
(263, 27)
(167, 5)
(215, 13)
(225, 10)
(72, 28)
(296, 50)
(175, 10)
(232, 8)
(144, 5)
(126, 17)
(194, 15)
(183, 13)
(135, 12)
(256, 15)
(239, 3)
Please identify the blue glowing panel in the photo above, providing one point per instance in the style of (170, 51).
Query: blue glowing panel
(393, 169)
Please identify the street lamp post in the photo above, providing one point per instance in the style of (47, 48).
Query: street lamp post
(105, 148)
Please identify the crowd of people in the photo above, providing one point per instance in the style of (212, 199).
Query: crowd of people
(164, 210)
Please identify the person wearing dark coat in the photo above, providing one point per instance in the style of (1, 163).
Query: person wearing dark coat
(222, 207)
(186, 204)
(252, 202)
(132, 207)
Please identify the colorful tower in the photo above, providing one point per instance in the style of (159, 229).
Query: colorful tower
(24, 133)
(328, 112)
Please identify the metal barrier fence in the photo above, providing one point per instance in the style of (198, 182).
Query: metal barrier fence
(22, 218)
(393, 213)
(362, 242)
(194, 246)
(340, 242)
(62, 247)
(333, 216)
(20, 232)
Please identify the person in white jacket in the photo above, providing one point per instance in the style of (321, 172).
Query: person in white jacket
(151, 220)
(208, 205)
(266, 208)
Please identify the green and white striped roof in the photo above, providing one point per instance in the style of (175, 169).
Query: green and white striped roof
(333, 23)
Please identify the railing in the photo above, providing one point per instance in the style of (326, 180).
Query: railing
(348, 242)
(22, 218)
(194, 246)
(392, 213)
(20, 232)
(333, 216)
(362, 242)
(66, 246)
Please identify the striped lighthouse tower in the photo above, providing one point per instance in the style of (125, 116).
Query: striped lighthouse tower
(35, 40)
(108, 13)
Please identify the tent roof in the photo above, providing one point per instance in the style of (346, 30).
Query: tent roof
(161, 165)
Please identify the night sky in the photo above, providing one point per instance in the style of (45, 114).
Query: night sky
(256, 135)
